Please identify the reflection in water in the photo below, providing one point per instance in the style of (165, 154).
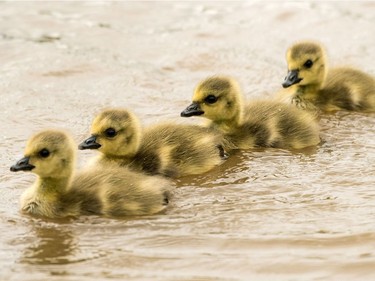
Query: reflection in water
(51, 244)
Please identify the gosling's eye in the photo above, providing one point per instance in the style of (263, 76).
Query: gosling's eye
(210, 99)
(110, 133)
(44, 153)
(308, 64)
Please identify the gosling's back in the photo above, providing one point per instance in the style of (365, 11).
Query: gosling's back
(349, 89)
(274, 124)
(178, 150)
(115, 192)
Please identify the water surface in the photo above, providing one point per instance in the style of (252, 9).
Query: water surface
(264, 215)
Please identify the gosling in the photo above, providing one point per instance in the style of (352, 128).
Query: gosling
(107, 191)
(256, 124)
(312, 88)
(171, 150)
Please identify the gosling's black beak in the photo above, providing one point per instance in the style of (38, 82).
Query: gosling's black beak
(22, 165)
(291, 78)
(89, 143)
(192, 110)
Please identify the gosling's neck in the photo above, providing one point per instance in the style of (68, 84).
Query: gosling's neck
(125, 159)
(307, 92)
(229, 124)
(52, 186)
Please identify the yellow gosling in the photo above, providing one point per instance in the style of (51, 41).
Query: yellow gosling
(168, 149)
(108, 191)
(256, 124)
(312, 86)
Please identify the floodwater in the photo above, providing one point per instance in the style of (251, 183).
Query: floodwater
(264, 215)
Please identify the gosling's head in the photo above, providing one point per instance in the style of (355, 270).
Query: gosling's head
(49, 154)
(306, 64)
(217, 98)
(115, 133)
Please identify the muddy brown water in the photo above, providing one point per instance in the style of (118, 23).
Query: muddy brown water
(264, 215)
